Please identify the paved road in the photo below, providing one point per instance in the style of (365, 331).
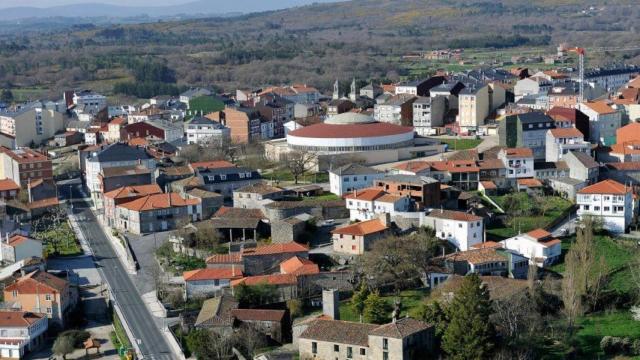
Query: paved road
(151, 342)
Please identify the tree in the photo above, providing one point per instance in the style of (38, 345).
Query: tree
(435, 313)
(391, 262)
(517, 319)
(6, 95)
(205, 345)
(255, 295)
(376, 310)
(299, 162)
(359, 299)
(64, 345)
(295, 308)
(470, 333)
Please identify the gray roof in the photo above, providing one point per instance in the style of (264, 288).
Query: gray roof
(354, 169)
(423, 100)
(585, 159)
(411, 179)
(121, 152)
(567, 180)
(201, 120)
(534, 117)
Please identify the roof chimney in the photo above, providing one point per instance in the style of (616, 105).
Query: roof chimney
(331, 303)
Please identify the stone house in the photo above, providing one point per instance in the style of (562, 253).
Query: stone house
(207, 282)
(275, 324)
(357, 238)
(256, 195)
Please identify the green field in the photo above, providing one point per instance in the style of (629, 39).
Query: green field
(60, 241)
(461, 144)
(204, 105)
(528, 223)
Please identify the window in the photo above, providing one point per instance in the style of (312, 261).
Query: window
(606, 208)
(336, 348)
(14, 293)
(47, 297)
(349, 352)
(596, 208)
(314, 347)
(385, 356)
(49, 310)
(385, 344)
(363, 351)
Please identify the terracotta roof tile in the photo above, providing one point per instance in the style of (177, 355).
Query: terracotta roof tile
(234, 258)
(477, 256)
(627, 148)
(337, 331)
(299, 266)
(454, 215)
(290, 247)
(566, 133)
(231, 212)
(158, 201)
(600, 107)
(261, 188)
(212, 274)
(258, 314)
(361, 228)
(216, 164)
(37, 281)
(518, 152)
(606, 187)
(532, 183)
(629, 166)
(273, 279)
(400, 328)
(539, 234)
(488, 185)
(366, 194)
(18, 319)
(135, 190)
(8, 185)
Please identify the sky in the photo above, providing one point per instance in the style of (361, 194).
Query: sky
(48, 3)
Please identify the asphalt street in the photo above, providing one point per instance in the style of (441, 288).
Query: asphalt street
(150, 340)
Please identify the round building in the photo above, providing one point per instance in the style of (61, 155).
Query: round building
(350, 132)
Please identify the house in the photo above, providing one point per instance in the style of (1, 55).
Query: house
(629, 133)
(114, 155)
(419, 87)
(582, 167)
(210, 201)
(21, 332)
(488, 260)
(42, 293)
(568, 117)
(116, 177)
(350, 177)
(530, 186)
(371, 91)
(66, 138)
(208, 282)
(158, 130)
(339, 106)
(604, 121)
(527, 130)
(539, 246)
(625, 173)
(403, 339)
(18, 247)
(428, 114)
(624, 152)
(367, 203)
(561, 141)
(122, 195)
(278, 111)
(518, 162)
(397, 110)
(357, 238)
(191, 94)
(201, 130)
(243, 123)
(275, 324)
(255, 196)
(423, 190)
(31, 124)
(87, 102)
(8, 189)
(267, 259)
(24, 165)
(531, 86)
(150, 114)
(285, 285)
(609, 201)
(461, 229)
(224, 178)
(156, 212)
(494, 172)
(115, 127)
(239, 223)
(215, 315)
(299, 266)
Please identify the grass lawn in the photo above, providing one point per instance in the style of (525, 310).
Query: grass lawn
(119, 336)
(60, 241)
(323, 197)
(205, 105)
(528, 223)
(285, 175)
(618, 253)
(411, 300)
(461, 144)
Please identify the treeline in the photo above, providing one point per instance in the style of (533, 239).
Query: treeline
(499, 41)
(149, 89)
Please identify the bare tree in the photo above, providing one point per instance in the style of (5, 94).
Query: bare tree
(299, 162)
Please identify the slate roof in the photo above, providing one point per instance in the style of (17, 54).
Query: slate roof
(121, 152)
(258, 315)
(216, 311)
(338, 331)
(401, 328)
(585, 159)
(354, 169)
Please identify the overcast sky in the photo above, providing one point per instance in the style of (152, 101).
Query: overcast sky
(48, 3)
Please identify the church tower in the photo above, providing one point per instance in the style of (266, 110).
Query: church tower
(336, 90)
(354, 92)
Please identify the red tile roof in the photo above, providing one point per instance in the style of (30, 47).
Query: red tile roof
(44, 203)
(539, 234)
(8, 185)
(488, 185)
(290, 247)
(16, 240)
(518, 152)
(258, 314)
(235, 258)
(487, 245)
(373, 129)
(606, 187)
(601, 107)
(118, 121)
(158, 201)
(212, 274)
(24, 155)
(135, 190)
(361, 228)
(628, 148)
(216, 164)
(414, 166)
(299, 266)
(366, 194)
(37, 282)
(532, 183)
(231, 212)
(18, 319)
(454, 215)
(566, 133)
(629, 166)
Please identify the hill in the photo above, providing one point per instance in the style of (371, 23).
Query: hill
(316, 44)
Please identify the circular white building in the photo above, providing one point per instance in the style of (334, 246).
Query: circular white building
(349, 132)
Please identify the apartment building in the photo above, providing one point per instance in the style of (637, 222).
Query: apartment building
(460, 229)
(528, 130)
(159, 130)
(367, 204)
(518, 162)
(21, 332)
(560, 142)
(156, 212)
(609, 201)
(31, 124)
(397, 110)
(350, 177)
(201, 130)
(24, 165)
(243, 123)
(423, 190)
(122, 195)
(429, 113)
(603, 122)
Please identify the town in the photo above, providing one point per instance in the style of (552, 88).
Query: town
(490, 212)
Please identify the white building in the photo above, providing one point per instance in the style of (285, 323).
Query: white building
(350, 177)
(474, 107)
(397, 110)
(531, 86)
(539, 246)
(209, 282)
(21, 332)
(609, 201)
(561, 141)
(88, 102)
(366, 204)
(201, 130)
(19, 247)
(191, 94)
(428, 113)
(518, 162)
(603, 122)
(461, 229)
